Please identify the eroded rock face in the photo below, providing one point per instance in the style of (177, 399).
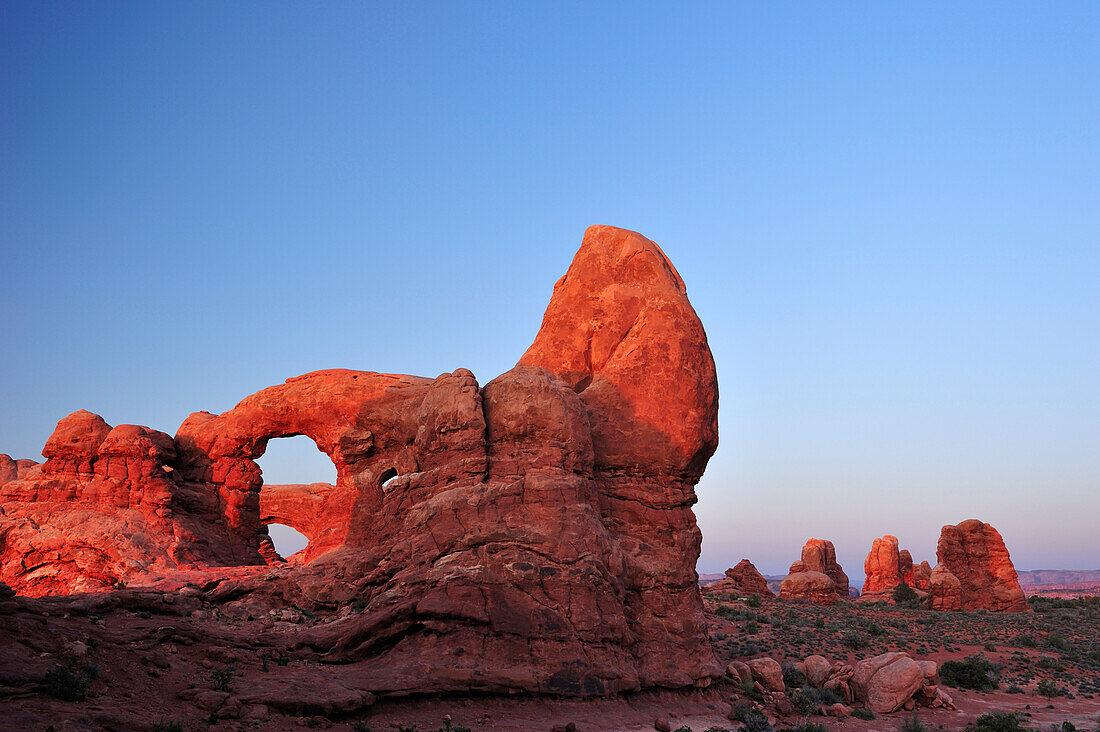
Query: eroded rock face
(534, 534)
(819, 555)
(804, 581)
(887, 567)
(974, 554)
(108, 506)
(744, 579)
(814, 587)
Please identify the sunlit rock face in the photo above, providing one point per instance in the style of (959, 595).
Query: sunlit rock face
(817, 576)
(534, 533)
(975, 571)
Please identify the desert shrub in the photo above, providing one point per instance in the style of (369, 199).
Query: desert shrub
(1026, 640)
(163, 726)
(855, 641)
(975, 672)
(1056, 641)
(997, 722)
(725, 611)
(360, 726)
(1014, 690)
(757, 723)
(682, 728)
(69, 682)
(1049, 662)
(863, 713)
(904, 593)
(1066, 726)
(748, 688)
(792, 677)
(222, 677)
(806, 701)
(749, 649)
(753, 600)
(1050, 689)
(829, 696)
(913, 724)
(448, 726)
(810, 727)
(752, 627)
(819, 622)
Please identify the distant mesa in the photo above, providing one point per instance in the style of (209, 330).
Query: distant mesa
(744, 579)
(534, 534)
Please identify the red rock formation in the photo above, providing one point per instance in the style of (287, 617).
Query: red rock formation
(975, 554)
(882, 565)
(945, 589)
(887, 567)
(814, 587)
(14, 469)
(922, 576)
(744, 579)
(535, 534)
(819, 555)
(107, 505)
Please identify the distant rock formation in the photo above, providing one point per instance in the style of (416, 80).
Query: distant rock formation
(975, 571)
(818, 558)
(887, 567)
(534, 534)
(744, 579)
(814, 587)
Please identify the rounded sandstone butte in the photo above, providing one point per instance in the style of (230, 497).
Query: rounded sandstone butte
(975, 554)
(744, 579)
(819, 555)
(620, 331)
(73, 446)
(815, 587)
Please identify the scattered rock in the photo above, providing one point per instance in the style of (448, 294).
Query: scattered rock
(768, 673)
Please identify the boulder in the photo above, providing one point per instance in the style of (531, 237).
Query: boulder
(768, 673)
(739, 670)
(818, 670)
(887, 682)
(975, 554)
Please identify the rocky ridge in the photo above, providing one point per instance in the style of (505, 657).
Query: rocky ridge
(533, 534)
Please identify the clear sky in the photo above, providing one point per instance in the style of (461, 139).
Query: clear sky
(887, 216)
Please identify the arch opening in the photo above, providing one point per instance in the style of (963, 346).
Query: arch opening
(387, 478)
(292, 464)
(287, 539)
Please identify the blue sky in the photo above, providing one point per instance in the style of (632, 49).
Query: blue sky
(887, 216)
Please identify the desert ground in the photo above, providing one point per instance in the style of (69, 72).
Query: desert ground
(135, 660)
